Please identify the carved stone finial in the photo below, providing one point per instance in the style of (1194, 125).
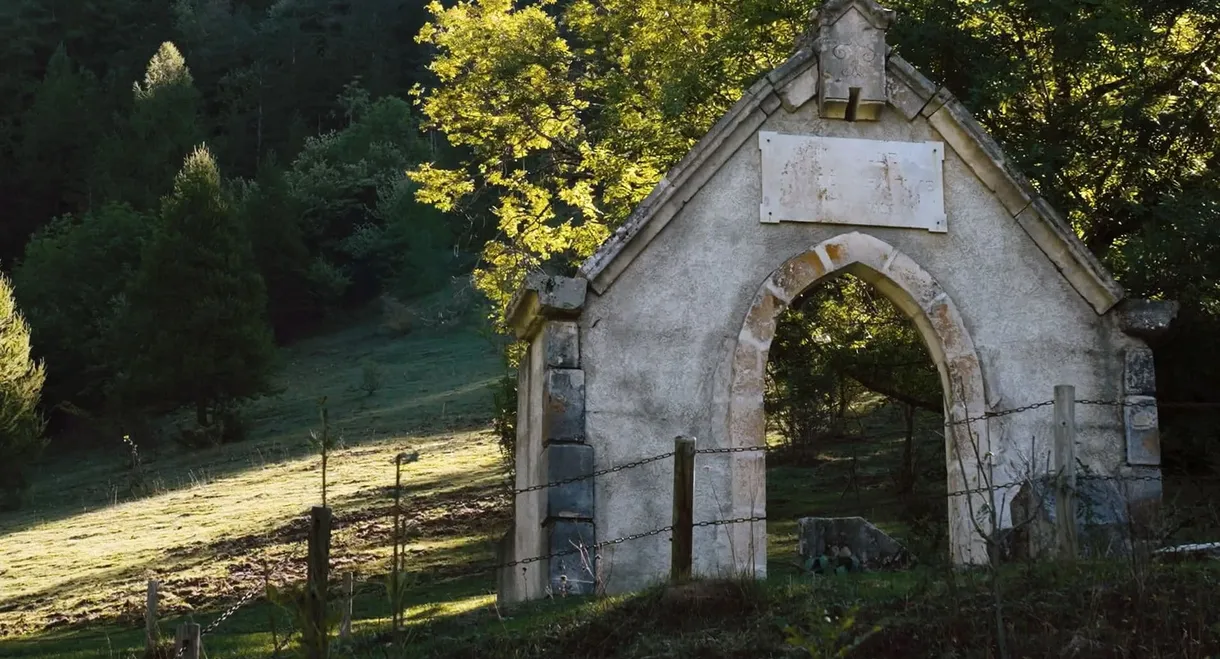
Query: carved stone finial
(851, 53)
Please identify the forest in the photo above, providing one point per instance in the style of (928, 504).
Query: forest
(189, 184)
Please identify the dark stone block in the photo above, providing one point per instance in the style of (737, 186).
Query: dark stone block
(1143, 431)
(849, 542)
(563, 411)
(561, 341)
(575, 572)
(1144, 490)
(572, 500)
(1140, 372)
(1146, 319)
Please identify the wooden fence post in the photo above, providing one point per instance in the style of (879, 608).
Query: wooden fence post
(315, 631)
(349, 585)
(186, 643)
(682, 547)
(1065, 468)
(150, 620)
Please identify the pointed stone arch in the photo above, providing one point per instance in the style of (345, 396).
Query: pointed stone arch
(944, 333)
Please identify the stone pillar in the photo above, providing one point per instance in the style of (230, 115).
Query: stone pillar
(1145, 320)
(551, 442)
(569, 508)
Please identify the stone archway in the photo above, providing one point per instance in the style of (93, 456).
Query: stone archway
(921, 298)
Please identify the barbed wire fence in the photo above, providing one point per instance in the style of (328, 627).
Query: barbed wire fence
(188, 643)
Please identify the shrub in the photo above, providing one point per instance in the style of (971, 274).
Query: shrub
(397, 319)
(504, 422)
(370, 377)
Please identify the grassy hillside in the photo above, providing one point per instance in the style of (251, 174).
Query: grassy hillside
(75, 561)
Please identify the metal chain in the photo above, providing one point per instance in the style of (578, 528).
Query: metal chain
(616, 541)
(994, 415)
(726, 522)
(232, 609)
(1103, 477)
(1079, 476)
(611, 470)
(241, 602)
(1117, 403)
(733, 449)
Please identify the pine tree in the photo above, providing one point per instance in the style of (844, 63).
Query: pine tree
(21, 380)
(54, 146)
(197, 310)
(134, 164)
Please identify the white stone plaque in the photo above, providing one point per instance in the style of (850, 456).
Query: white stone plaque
(835, 180)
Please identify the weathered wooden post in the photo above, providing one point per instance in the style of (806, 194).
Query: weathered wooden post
(1065, 467)
(349, 585)
(150, 620)
(682, 548)
(186, 643)
(314, 632)
(396, 585)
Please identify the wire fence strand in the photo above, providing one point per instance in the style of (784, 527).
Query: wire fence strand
(608, 543)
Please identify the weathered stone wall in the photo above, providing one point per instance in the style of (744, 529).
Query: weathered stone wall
(657, 345)
(672, 335)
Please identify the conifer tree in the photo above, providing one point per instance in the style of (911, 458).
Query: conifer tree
(57, 140)
(21, 380)
(197, 309)
(135, 164)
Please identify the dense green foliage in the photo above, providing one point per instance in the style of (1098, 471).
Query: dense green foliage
(194, 327)
(835, 344)
(300, 100)
(569, 113)
(20, 387)
(71, 285)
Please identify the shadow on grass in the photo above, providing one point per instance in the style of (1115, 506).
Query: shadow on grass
(449, 541)
(433, 383)
(444, 578)
(1086, 611)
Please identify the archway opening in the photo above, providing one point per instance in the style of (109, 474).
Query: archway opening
(855, 423)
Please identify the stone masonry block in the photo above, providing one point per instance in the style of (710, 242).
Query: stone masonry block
(1142, 431)
(1139, 372)
(561, 342)
(563, 411)
(562, 295)
(573, 573)
(1146, 319)
(573, 500)
(1144, 490)
(544, 297)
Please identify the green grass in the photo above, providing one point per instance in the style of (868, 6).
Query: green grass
(855, 475)
(1087, 610)
(74, 563)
